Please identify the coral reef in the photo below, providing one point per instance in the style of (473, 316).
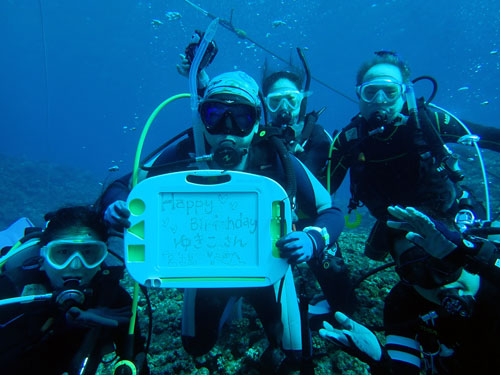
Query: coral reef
(33, 188)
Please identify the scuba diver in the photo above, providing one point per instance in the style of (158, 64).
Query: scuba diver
(61, 311)
(476, 249)
(442, 317)
(286, 102)
(396, 154)
(230, 116)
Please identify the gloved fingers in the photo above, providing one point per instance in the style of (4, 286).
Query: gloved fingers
(413, 220)
(183, 70)
(292, 258)
(290, 237)
(344, 321)
(121, 209)
(327, 326)
(404, 214)
(184, 66)
(401, 225)
(437, 246)
(297, 247)
(413, 212)
(184, 61)
(122, 222)
(397, 212)
(293, 253)
(117, 214)
(416, 238)
(290, 247)
(302, 258)
(422, 222)
(333, 335)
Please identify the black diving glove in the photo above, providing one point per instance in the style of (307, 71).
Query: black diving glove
(431, 235)
(98, 317)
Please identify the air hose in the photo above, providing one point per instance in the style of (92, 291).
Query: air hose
(145, 130)
(479, 156)
(135, 172)
(285, 158)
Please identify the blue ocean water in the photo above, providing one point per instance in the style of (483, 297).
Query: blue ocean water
(78, 79)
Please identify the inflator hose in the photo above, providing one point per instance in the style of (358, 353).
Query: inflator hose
(284, 155)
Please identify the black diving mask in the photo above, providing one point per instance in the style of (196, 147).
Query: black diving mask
(228, 117)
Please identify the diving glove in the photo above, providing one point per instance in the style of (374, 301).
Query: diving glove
(354, 338)
(116, 215)
(432, 236)
(98, 316)
(297, 247)
(189, 54)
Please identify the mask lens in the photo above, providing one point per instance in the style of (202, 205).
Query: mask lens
(390, 91)
(60, 253)
(211, 113)
(220, 117)
(290, 98)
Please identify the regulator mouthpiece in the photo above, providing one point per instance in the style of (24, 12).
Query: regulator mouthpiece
(227, 155)
(283, 118)
(378, 119)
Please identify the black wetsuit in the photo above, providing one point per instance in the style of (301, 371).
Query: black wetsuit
(315, 154)
(35, 338)
(210, 304)
(400, 165)
(471, 345)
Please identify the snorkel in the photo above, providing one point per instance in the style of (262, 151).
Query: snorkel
(303, 105)
(199, 142)
(411, 102)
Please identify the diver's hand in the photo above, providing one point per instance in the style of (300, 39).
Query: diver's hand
(184, 66)
(116, 215)
(297, 247)
(353, 338)
(422, 231)
(98, 316)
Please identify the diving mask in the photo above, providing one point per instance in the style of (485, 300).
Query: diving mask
(60, 253)
(285, 99)
(381, 90)
(228, 117)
